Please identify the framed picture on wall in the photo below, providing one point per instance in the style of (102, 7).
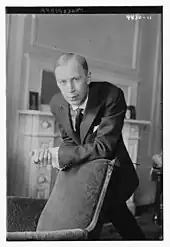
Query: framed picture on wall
(33, 100)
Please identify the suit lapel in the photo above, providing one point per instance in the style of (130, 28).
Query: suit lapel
(92, 108)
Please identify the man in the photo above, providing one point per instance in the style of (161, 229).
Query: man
(90, 117)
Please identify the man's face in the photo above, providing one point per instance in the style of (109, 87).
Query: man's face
(72, 82)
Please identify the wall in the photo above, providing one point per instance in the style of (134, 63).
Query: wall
(114, 47)
(149, 99)
(14, 62)
(91, 35)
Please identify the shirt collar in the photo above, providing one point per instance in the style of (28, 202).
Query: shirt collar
(82, 106)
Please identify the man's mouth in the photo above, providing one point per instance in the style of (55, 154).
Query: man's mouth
(73, 97)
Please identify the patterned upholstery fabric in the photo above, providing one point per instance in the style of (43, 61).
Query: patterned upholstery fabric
(74, 197)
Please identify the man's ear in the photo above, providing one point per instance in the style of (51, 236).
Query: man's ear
(89, 78)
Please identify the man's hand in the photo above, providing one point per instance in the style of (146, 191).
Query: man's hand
(47, 157)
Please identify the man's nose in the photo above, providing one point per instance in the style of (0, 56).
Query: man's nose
(71, 87)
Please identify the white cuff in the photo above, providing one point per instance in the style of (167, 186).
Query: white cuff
(54, 154)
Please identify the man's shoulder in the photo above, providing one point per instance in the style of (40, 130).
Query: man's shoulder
(104, 88)
(104, 84)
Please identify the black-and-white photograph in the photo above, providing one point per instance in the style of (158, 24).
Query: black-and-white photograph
(84, 123)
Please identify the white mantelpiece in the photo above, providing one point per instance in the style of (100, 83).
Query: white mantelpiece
(132, 134)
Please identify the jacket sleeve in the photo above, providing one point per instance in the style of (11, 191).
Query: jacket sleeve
(105, 142)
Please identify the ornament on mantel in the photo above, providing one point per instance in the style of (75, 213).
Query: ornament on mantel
(130, 112)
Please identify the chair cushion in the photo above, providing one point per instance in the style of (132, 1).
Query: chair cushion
(74, 197)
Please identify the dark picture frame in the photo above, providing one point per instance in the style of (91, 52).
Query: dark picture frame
(33, 100)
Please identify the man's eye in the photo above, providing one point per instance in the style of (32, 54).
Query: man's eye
(76, 78)
(62, 81)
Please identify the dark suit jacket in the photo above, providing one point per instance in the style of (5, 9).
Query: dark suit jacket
(106, 107)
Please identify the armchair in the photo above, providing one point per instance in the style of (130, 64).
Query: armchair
(80, 193)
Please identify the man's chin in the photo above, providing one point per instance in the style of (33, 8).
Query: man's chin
(74, 102)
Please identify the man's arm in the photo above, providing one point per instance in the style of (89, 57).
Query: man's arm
(107, 137)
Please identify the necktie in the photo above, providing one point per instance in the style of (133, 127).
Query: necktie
(79, 117)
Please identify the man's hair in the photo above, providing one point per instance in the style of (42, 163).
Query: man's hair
(66, 57)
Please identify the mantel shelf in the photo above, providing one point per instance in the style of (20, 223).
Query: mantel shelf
(34, 112)
(135, 121)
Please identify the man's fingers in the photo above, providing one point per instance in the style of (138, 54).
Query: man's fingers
(49, 158)
(45, 154)
(36, 156)
(42, 156)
